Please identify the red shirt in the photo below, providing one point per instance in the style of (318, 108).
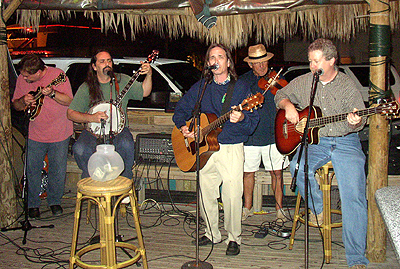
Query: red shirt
(51, 125)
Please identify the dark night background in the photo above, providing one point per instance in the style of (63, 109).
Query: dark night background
(83, 42)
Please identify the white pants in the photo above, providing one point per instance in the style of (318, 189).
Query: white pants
(224, 167)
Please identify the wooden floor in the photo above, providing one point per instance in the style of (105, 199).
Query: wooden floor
(168, 232)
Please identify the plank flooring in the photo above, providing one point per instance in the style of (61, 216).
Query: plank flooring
(168, 232)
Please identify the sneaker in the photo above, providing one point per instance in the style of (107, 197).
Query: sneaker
(247, 213)
(281, 216)
(359, 266)
(313, 219)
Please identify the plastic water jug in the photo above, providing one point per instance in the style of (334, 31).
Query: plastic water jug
(105, 164)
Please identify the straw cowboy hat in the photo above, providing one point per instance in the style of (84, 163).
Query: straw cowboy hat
(258, 54)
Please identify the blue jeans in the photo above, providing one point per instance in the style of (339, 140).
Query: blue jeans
(86, 144)
(348, 161)
(57, 155)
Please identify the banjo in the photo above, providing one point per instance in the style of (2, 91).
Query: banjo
(116, 116)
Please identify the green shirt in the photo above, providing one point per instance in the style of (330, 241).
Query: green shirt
(81, 99)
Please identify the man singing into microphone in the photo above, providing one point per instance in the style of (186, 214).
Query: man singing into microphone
(339, 143)
(102, 84)
(224, 167)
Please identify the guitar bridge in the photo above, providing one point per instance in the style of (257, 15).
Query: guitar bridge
(285, 129)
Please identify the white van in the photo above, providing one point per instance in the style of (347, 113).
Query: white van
(171, 78)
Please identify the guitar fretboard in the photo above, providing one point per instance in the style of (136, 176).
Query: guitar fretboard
(218, 122)
(61, 78)
(126, 89)
(342, 117)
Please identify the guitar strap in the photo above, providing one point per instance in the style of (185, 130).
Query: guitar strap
(228, 97)
(116, 84)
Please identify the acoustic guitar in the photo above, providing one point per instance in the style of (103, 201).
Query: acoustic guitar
(185, 148)
(34, 109)
(288, 136)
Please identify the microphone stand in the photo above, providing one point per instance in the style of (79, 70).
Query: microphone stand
(196, 120)
(304, 145)
(25, 224)
(111, 134)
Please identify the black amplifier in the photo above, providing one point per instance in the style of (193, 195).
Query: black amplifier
(154, 147)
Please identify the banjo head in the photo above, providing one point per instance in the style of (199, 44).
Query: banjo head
(115, 121)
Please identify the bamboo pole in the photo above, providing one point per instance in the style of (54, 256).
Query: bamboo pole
(378, 132)
(8, 208)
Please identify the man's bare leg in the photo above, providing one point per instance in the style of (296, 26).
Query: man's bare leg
(277, 187)
(248, 188)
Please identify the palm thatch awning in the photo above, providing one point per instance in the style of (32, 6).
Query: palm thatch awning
(237, 21)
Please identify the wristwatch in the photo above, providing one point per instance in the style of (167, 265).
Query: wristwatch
(52, 95)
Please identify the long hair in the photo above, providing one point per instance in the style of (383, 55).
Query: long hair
(95, 94)
(231, 68)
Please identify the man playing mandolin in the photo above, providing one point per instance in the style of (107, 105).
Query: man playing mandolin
(339, 143)
(261, 144)
(45, 93)
(101, 86)
(225, 166)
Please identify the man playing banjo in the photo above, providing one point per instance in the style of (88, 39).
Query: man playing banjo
(95, 105)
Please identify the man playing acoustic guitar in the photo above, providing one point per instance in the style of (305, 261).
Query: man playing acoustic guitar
(225, 166)
(101, 86)
(339, 143)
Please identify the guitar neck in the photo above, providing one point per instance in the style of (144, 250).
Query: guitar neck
(126, 88)
(218, 122)
(61, 78)
(317, 122)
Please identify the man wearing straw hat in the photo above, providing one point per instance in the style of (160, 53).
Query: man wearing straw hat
(261, 144)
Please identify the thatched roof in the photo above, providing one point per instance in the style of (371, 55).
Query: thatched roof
(237, 21)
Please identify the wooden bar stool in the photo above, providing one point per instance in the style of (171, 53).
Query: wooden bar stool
(325, 174)
(101, 193)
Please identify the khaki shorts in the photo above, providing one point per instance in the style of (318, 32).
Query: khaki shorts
(270, 156)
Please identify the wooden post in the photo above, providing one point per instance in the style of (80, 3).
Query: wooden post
(8, 209)
(378, 132)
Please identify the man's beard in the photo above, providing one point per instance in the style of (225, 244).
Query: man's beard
(108, 71)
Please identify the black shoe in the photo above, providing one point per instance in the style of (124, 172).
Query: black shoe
(204, 240)
(233, 248)
(34, 213)
(56, 210)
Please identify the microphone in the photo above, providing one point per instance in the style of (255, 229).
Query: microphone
(319, 72)
(212, 67)
(109, 72)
